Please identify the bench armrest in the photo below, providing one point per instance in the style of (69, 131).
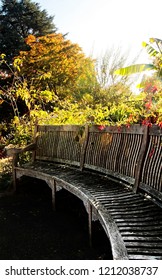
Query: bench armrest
(30, 147)
(18, 151)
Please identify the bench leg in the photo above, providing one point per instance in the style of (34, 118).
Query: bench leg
(14, 179)
(14, 183)
(90, 224)
(54, 195)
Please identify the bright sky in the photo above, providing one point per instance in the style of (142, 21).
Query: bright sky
(96, 25)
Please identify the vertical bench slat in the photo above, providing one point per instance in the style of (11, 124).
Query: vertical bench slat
(116, 139)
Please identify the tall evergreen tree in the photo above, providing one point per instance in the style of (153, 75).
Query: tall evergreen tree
(18, 19)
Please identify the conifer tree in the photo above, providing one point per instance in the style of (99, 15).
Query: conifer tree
(18, 19)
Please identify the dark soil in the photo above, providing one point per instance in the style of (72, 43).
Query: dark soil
(30, 229)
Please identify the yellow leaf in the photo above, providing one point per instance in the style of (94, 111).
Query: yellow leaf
(144, 44)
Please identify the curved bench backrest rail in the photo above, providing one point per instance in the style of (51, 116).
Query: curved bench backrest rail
(133, 155)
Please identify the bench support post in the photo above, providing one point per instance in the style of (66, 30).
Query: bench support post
(52, 184)
(84, 147)
(14, 164)
(54, 195)
(14, 180)
(138, 172)
(90, 223)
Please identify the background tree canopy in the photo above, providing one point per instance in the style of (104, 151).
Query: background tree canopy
(18, 19)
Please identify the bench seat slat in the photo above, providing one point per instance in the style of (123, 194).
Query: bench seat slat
(114, 197)
(112, 193)
(142, 228)
(143, 208)
(142, 238)
(126, 207)
(144, 257)
(145, 245)
(140, 219)
(123, 214)
(134, 214)
(134, 198)
(131, 207)
(141, 251)
(136, 223)
(133, 202)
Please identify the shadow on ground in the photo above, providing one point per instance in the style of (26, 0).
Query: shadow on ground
(29, 229)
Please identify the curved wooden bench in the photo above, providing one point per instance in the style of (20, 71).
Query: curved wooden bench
(105, 169)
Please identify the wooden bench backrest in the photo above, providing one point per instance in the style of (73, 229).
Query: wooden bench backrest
(58, 144)
(115, 151)
(133, 154)
(151, 179)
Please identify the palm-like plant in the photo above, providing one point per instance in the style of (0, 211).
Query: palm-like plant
(154, 49)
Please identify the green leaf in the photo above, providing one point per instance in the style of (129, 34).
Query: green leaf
(132, 69)
(151, 51)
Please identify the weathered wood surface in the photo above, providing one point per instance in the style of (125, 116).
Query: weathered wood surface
(54, 144)
(131, 158)
(152, 167)
(130, 154)
(132, 222)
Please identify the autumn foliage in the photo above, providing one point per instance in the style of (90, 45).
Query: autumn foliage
(55, 83)
(51, 62)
